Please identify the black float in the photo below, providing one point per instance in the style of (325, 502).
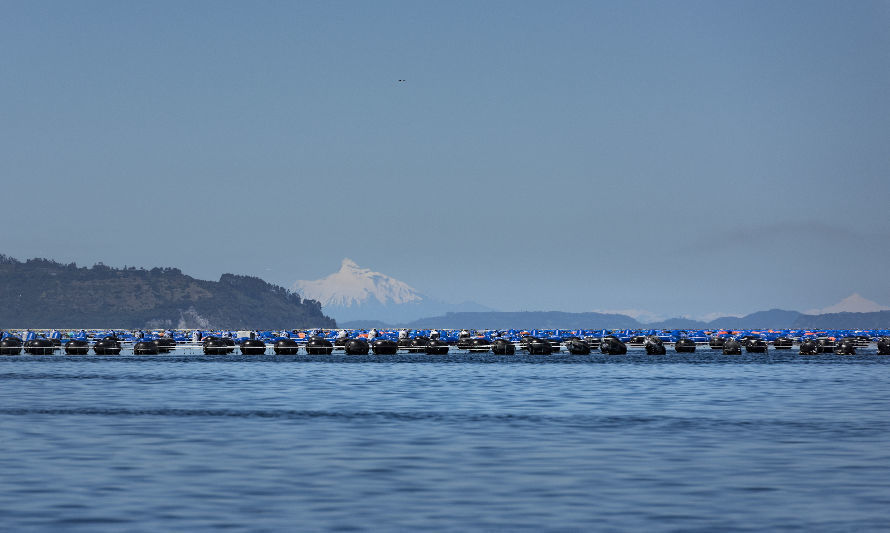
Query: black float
(825, 345)
(536, 346)
(809, 347)
(479, 345)
(684, 345)
(77, 347)
(146, 348)
(166, 344)
(384, 347)
(357, 347)
(655, 346)
(286, 347)
(319, 346)
(39, 347)
(732, 347)
(783, 343)
(253, 347)
(613, 346)
(436, 347)
(11, 346)
(846, 346)
(503, 347)
(576, 346)
(418, 344)
(107, 346)
(756, 346)
(215, 346)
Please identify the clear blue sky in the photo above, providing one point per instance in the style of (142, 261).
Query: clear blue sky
(681, 157)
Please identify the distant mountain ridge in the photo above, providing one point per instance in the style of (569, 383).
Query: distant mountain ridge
(40, 293)
(358, 293)
(774, 318)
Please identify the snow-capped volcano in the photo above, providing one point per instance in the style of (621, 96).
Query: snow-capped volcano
(851, 304)
(353, 285)
(356, 293)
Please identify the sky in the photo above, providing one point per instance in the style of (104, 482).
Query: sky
(683, 157)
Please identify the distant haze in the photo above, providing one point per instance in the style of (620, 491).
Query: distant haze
(685, 158)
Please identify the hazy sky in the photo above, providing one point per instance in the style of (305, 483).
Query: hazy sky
(681, 157)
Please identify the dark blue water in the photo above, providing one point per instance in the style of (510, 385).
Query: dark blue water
(694, 442)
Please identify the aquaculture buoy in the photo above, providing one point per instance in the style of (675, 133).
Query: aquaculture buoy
(418, 344)
(756, 346)
(436, 347)
(655, 346)
(479, 345)
(11, 346)
(215, 346)
(385, 347)
(684, 345)
(536, 346)
(357, 347)
(809, 347)
(716, 342)
(503, 347)
(825, 345)
(732, 347)
(319, 346)
(146, 348)
(253, 347)
(846, 346)
(783, 343)
(230, 344)
(577, 347)
(637, 340)
(166, 345)
(612, 346)
(405, 343)
(884, 346)
(286, 347)
(39, 347)
(77, 347)
(107, 346)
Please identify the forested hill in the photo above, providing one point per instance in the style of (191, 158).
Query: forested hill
(40, 293)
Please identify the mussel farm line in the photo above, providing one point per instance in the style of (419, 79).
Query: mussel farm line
(437, 342)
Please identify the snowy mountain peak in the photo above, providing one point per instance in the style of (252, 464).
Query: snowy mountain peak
(854, 303)
(353, 285)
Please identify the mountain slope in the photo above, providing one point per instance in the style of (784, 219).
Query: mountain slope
(40, 293)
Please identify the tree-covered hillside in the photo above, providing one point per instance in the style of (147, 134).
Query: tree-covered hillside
(40, 293)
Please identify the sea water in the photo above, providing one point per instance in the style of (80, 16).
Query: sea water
(462, 442)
